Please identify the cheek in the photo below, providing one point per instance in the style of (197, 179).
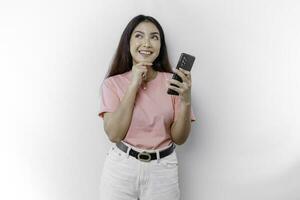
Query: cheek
(137, 44)
(157, 49)
(133, 44)
(132, 51)
(158, 46)
(133, 47)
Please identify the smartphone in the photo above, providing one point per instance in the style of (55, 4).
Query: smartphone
(185, 62)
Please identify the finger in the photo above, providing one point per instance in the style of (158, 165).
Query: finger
(185, 72)
(185, 85)
(144, 72)
(187, 75)
(179, 90)
(182, 85)
(181, 75)
(142, 69)
(176, 82)
(142, 66)
(142, 63)
(145, 64)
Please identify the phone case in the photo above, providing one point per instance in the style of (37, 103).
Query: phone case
(185, 62)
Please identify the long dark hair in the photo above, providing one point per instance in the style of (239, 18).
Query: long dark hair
(122, 61)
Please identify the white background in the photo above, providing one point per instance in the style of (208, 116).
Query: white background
(245, 94)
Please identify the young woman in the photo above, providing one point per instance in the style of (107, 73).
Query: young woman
(142, 121)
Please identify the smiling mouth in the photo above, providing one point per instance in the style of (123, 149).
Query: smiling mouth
(145, 53)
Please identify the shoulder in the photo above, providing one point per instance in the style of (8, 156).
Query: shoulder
(117, 78)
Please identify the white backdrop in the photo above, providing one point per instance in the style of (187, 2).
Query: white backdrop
(245, 94)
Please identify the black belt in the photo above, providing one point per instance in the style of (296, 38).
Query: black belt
(146, 156)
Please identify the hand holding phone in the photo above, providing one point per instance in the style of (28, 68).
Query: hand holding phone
(185, 62)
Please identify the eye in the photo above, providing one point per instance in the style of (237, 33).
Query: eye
(138, 35)
(156, 37)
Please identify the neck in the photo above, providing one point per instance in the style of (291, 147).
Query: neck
(150, 74)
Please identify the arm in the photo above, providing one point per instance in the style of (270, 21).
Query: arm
(116, 124)
(182, 125)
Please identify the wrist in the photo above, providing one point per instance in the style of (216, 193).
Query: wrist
(133, 86)
(185, 103)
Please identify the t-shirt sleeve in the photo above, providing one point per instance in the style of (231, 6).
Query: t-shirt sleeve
(176, 105)
(109, 100)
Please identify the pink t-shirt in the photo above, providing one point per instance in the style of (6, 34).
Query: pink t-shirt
(154, 110)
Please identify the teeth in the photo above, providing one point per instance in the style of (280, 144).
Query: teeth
(145, 52)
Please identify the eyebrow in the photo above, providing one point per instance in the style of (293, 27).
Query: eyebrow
(144, 33)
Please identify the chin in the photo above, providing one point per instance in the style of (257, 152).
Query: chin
(150, 60)
(145, 60)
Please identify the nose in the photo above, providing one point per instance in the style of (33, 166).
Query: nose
(147, 43)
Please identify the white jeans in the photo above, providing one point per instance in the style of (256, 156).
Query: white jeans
(126, 178)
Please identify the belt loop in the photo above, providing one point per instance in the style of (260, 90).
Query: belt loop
(128, 149)
(157, 156)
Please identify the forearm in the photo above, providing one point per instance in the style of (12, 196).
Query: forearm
(181, 127)
(120, 120)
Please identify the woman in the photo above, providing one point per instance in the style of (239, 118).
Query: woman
(142, 121)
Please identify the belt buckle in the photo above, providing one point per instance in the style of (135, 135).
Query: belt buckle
(144, 153)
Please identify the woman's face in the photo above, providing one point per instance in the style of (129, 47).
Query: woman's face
(144, 43)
